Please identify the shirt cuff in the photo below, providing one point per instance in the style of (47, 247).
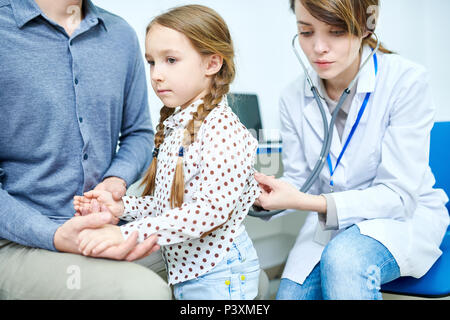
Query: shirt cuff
(130, 208)
(329, 221)
(126, 174)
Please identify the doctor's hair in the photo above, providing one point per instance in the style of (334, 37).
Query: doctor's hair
(209, 35)
(355, 16)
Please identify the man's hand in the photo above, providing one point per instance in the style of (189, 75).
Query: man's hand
(66, 236)
(115, 185)
(130, 250)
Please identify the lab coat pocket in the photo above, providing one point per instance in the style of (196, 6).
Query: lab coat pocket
(364, 158)
(312, 147)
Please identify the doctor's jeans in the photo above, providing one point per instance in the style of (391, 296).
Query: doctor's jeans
(352, 267)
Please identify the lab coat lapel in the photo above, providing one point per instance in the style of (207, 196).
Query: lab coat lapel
(366, 84)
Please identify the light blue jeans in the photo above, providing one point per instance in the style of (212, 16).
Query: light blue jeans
(352, 267)
(235, 278)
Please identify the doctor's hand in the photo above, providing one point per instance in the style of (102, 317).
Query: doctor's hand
(277, 194)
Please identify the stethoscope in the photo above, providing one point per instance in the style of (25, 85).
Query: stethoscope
(327, 129)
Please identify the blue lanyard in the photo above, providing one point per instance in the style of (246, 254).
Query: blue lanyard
(350, 136)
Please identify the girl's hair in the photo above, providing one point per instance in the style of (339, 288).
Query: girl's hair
(355, 16)
(209, 35)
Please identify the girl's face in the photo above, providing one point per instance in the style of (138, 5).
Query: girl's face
(331, 51)
(179, 74)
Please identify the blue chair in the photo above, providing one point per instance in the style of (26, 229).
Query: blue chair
(436, 283)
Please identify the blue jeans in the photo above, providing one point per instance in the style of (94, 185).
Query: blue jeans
(352, 267)
(236, 277)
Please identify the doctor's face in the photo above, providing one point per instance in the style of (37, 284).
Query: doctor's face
(331, 50)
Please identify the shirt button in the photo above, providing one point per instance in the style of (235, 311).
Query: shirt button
(85, 156)
(80, 119)
(76, 81)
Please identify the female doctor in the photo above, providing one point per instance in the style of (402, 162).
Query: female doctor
(377, 217)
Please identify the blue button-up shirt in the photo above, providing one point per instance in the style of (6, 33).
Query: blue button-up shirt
(73, 111)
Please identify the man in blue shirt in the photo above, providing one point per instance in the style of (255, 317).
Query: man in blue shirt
(72, 90)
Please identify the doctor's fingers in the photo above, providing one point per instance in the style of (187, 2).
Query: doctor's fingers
(265, 201)
(269, 183)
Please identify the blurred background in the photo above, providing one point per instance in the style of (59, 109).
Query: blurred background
(262, 31)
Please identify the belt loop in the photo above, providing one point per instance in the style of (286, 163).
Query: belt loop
(240, 244)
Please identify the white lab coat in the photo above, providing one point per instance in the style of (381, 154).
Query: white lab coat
(384, 183)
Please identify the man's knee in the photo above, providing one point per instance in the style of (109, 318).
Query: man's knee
(137, 283)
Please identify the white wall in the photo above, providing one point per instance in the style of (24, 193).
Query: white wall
(262, 32)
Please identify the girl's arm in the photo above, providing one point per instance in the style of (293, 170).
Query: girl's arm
(128, 208)
(137, 207)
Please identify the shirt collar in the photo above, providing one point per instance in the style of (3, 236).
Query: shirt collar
(366, 80)
(332, 103)
(93, 13)
(181, 117)
(26, 10)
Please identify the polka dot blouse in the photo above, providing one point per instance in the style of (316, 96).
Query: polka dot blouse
(219, 190)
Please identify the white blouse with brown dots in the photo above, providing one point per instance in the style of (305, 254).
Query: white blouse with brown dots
(219, 190)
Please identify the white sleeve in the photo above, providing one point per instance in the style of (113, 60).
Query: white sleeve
(405, 158)
(137, 207)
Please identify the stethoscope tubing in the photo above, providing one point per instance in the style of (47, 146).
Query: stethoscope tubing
(327, 129)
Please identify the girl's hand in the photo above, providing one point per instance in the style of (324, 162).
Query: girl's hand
(105, 198)
(92, 203)
(84, 206)
(92, 242)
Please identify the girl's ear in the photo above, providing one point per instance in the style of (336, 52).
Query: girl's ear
(213, 64)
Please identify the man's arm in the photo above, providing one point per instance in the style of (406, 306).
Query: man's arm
(136, 140)
(24, 225)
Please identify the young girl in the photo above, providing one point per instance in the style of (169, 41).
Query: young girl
(201, 183)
